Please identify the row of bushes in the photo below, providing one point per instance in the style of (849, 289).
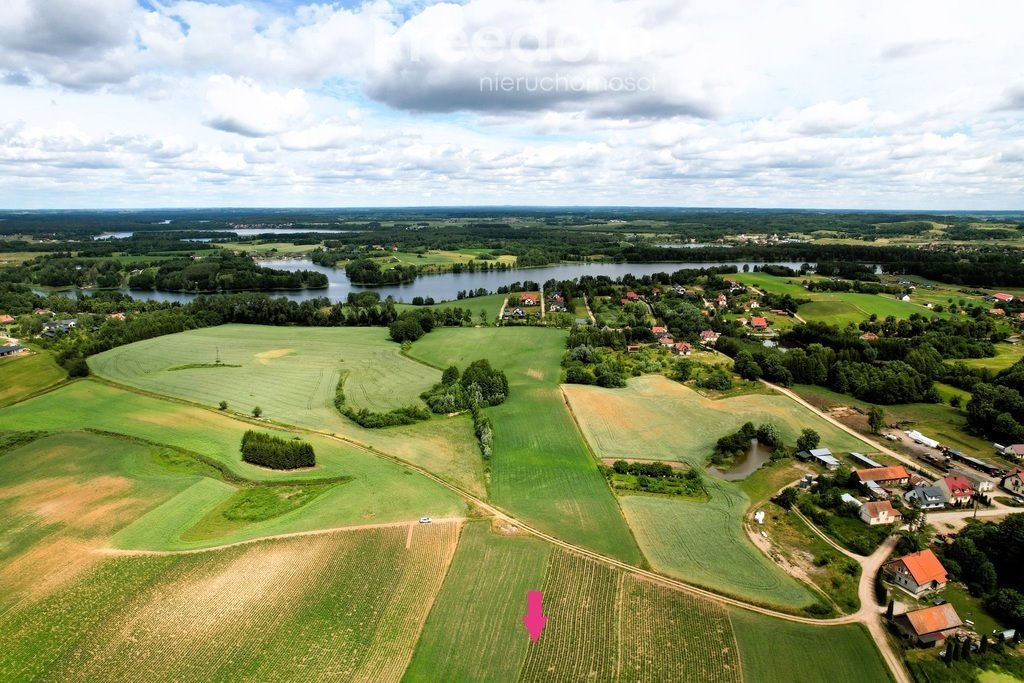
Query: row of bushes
(266, 450)
(483, 430)
(371, 420)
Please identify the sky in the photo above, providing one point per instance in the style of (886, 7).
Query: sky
(709, 103)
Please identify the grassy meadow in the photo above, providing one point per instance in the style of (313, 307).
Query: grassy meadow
(774, 650)
(22, 376)
(292, 373)
(541, 468)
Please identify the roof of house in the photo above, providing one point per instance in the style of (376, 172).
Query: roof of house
(997, 311)
(682, 346)
(958, 483)
(933, 619)
(923, 566)
(847, 498)
(11, 349)
(816, 452)
(1002, 297)
(657, 329)
(758, 321)
(6, 319)
(882, 473)
(708, 334)
(875, 509)
(869, 336)
(926, 493)
(1017, 448)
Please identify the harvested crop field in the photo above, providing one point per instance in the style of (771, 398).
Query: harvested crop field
(21, 376)
(338, 606)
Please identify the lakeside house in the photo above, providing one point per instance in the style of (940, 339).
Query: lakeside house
(916, 573)
(879, 512)
(929, 626)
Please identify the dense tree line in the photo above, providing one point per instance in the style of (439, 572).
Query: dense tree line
(987, 557)
(267, 450)
(996, 408)
(478, 385)
(369, 419)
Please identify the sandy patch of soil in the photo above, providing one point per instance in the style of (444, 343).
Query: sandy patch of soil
(265, 357)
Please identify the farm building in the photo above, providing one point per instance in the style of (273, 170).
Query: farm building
(894, 474)
(865, 460)
(11, 350)
(883, 512)
(1014, 481)
(916, 573)
(929, 626)
(876, 491)
(922, 439)
(926, 497)
(958, 490)
(824, 457)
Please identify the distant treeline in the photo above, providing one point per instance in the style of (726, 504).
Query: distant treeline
(266, 450)
(223, 272)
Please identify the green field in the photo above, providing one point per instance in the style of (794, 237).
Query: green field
(291, 373)
(773, 650)
(342, 606)
(541, 468)
(379, 491)
(489, 304)
(657, 419)
(285, 371)
(22, 376)
(474, 632)
(699, 542)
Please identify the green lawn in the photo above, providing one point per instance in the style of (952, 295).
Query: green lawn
(541, 468)
(380, 491)
(489, 304)
(1006, 355)
(473, 632)
(702, 543)
(22, 376)
(291, 373)
(773, 650)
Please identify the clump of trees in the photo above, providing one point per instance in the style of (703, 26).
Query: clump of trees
(478, 385)
(737, 444)
(655, 477)
(364, 271)
(267, 450)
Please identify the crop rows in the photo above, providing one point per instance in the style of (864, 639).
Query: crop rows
(344, 606)
(665, 634)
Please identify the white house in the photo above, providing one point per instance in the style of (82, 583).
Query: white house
(882, 512)
(916, 573)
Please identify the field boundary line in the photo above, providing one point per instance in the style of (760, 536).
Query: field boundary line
(130, 552)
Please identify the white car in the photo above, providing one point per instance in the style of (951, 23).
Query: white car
(425, 520)
(891, 437)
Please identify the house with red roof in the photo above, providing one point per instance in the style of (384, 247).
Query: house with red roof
(709, 337)
(869, 337)
(1002, 297)
(883, 476)
(880, 512)
(929, 626)
(667, 340)
(996, 311)
(6, 319)
(916, 573)
(759, 323)
(682, 349)
(958, 490)
(1014, 481)
(632, 296)
(659, 331)
(721, 300)
(529, 299)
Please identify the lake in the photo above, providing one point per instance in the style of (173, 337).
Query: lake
(446, 286)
